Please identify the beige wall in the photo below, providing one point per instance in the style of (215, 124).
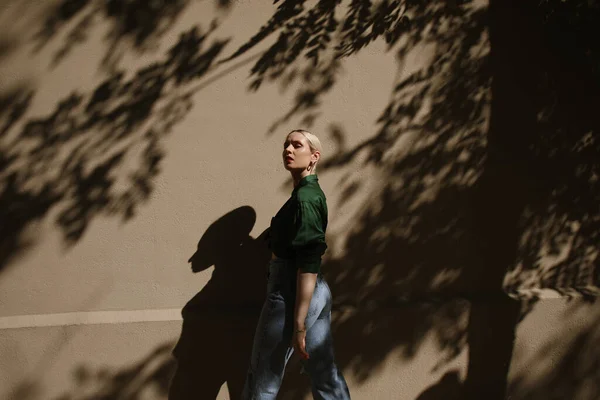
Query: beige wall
(98, 313)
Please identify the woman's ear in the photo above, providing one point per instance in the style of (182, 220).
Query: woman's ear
(316, 156)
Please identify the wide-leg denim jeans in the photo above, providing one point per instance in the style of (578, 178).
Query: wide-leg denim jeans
(272, 341)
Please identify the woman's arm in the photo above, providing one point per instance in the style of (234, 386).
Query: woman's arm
(305, 287)
(309, 245)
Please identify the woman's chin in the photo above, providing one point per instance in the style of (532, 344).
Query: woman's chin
(292, 168)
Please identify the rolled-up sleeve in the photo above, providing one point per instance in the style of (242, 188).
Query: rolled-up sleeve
(309, 239)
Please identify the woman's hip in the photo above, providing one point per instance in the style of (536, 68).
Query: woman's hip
(281, 285)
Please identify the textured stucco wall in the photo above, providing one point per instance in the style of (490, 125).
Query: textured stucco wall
(91, 285)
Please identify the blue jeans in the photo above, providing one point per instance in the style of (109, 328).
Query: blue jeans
(272, 341)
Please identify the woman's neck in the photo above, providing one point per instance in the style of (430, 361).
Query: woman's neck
(297, 177)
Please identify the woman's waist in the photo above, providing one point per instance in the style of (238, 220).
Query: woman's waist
(284, 267)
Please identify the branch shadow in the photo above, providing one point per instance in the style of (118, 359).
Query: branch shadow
(132, 24)
(147, 377)
(73, 160)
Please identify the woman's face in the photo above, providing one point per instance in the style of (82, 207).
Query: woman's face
(297, 154)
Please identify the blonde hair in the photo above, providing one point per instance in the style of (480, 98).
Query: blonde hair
(313, 142)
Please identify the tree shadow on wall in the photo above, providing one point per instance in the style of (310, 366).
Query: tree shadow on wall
(147, 378)
(134, 25)
(219, 322)
(96, 153)
(487, 152)
(489, 158)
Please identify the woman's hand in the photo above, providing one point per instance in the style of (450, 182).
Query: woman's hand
(299, 344)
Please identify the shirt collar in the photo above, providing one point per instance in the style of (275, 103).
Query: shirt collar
(305, 181)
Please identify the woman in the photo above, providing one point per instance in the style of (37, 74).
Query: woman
(297, 312)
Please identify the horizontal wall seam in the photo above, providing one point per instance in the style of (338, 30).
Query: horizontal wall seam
(174, 314)
(89, 318)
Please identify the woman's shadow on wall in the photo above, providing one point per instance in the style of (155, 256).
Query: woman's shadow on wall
(219, 322)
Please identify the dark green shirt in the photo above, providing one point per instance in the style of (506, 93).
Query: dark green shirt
(298, 229)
